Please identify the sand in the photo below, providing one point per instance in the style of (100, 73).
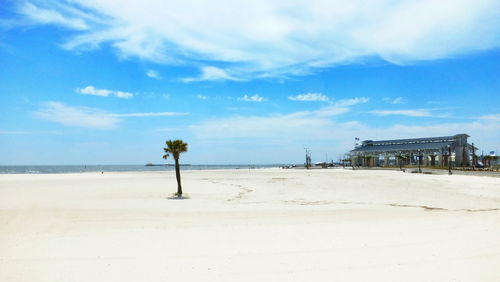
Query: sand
(250, 225)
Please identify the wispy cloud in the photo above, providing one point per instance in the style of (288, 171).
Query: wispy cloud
(438, 102)
(397, 100)
(410, 113)
(169, 129)
(216, 97)
(253, 98)
(309, 97)
(414, 113)
(25, 132)
(91, 90)
(283, 136)
(303, 123)
(13, 132)
(304, 34)
(273, 126)
(150, 114)
(153, 74)
(89, 117)
(211, 74)
(351, 101)
(76, 116)
(340, 106)
(493, 117)
(51, 16)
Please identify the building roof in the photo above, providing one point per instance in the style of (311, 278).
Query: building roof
(414, 144)
(403, 147)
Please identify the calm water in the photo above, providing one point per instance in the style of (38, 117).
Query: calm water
(108, 168)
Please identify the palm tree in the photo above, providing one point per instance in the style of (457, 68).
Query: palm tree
(400, 158)
(176, 147)
(489, 159)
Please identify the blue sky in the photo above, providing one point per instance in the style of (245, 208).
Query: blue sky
(101, 82)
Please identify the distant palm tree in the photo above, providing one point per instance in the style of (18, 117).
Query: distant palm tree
(176, 147)
(403, 160)
(488, 159)
(400, 158)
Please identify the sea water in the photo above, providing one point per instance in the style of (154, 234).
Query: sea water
(31, 169)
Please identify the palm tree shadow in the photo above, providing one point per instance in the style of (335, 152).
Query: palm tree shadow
(177, 197)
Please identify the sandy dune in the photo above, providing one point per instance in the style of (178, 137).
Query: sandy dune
(250, 225)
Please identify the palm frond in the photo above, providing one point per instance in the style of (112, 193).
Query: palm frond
(175, 147)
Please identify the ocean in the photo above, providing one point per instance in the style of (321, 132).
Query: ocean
(34, 169)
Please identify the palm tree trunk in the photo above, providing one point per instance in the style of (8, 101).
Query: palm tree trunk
(178, 176)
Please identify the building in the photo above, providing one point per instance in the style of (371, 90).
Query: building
(432, 151)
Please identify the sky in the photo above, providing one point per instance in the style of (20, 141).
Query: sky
(242, 82)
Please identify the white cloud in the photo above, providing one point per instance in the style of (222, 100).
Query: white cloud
(340, 107)
(169, 129)
(88, 117)
(264, 38)
(211, 74)
(91, 90)
(123, 95)
(150, 114)
(410, 113)
(153, 74)
(483, 133)
(274, 126)
(494, 117)
(284, 136)
(303, 124)
(48, 16)
(13, 132)
(77, 116)
(20, 132)
(398, 100)
(253, 98)
(308, 97)
(331, 111)
(202, 97)
(351, 102)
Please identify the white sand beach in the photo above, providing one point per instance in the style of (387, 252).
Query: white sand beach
(250, 225)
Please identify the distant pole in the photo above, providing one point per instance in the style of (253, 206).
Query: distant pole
(310, 160)
(449, 159)
(473, 157)
(308, 157)
(419, 160)
(464, 155)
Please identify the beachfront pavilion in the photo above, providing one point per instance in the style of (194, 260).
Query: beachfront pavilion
(433, 151)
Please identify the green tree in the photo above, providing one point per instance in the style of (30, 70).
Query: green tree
(489, 159)
(400, 158)
(176, 148)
